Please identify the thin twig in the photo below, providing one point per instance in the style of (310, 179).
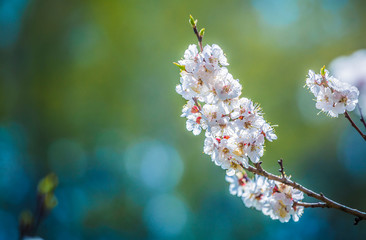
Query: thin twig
(354, 125)
(320, 196)
(199, 37)
(357, 220)
(40, 211)
(361, 119)
(198, 34)
(281, 170)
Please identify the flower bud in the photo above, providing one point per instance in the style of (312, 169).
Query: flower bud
(50, 202)
(48, 184)
(192, 21)
(25, 222)
(202, 32)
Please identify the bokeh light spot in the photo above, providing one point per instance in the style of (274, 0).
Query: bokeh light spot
(352, 152)
(165, 215)
(156, 164)
(279, 13)
(67, 158)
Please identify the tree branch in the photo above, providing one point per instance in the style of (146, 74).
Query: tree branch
(327, 202)
(311, 205)
(354, 125)
(361, 118)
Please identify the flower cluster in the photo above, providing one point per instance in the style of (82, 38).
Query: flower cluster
(274, 199)
(352, 69)
(332, 95)
(235, 129)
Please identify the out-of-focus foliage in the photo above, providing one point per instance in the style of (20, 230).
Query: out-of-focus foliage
(87, 91)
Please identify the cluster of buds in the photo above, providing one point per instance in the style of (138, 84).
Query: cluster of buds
(235, 128)
(333, 96)
(46, 201)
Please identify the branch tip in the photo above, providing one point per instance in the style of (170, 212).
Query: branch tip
(357, 220)
(192, 21)
(281, 170)
(199, 35)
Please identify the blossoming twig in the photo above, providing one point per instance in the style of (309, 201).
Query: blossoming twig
(198, 34)
(236, 131)
(326, 202)
(333, 96)
(46, 201)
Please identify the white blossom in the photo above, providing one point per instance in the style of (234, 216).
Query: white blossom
(257, 191)
(281, 205)
(237, 184)
(190, 60)
(195, 122)
(255, 148)
(214, 57)
(352, 70)
(333, 96)
(268, 131)
(227, 87)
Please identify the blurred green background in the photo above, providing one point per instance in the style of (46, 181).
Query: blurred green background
(87, 90)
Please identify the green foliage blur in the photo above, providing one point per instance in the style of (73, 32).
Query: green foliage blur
(87, 90)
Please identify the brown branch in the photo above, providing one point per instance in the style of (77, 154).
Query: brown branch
(281, 170)
(198, 34)
(320, 196)
(311, 205)
(354, 125)
(361, 118)
(199, 37)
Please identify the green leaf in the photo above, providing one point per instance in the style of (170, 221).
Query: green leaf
(202, 32)
(322, 71)
(182, 67)
(192, 21)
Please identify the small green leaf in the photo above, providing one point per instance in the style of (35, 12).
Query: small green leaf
(202, 32)
(182, 67)
(322, 71)
(192, 21)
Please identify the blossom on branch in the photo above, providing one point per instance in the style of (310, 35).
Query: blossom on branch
(333, 96)
(273, 198)
(352, 69)
(236, 131)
